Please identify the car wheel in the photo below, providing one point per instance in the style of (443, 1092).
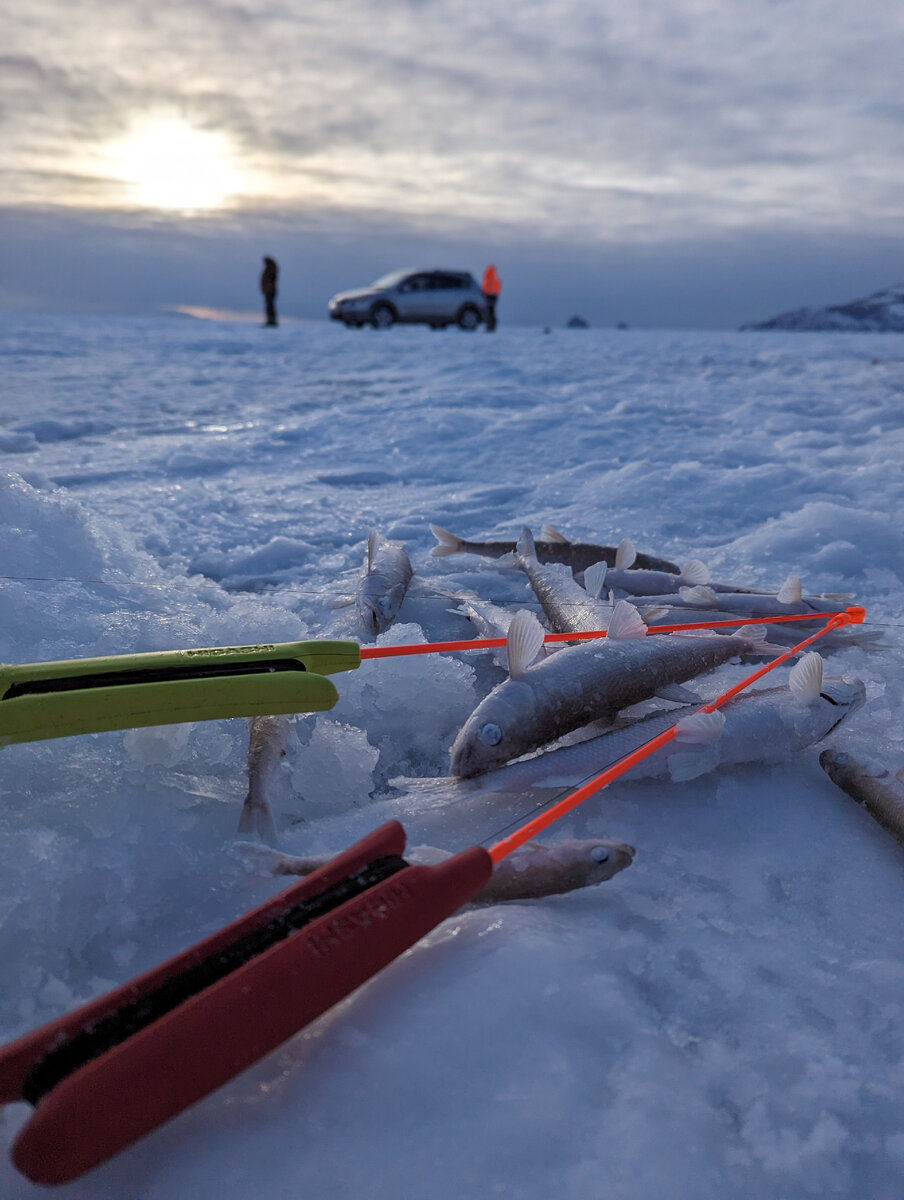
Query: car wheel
(469, 317)
(381, 316)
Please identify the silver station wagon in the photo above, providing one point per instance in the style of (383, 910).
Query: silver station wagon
(437, 298)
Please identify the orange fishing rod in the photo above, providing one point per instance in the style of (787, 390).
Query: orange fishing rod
(853, 616)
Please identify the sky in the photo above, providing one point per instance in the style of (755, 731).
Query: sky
(683, 163)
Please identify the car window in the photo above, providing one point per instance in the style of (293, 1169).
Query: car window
(447, 281)
(390, 280)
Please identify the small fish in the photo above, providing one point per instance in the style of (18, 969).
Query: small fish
(626, 579)
(788, 601)
(266, 750)
(784, 633)
(768, 726)
(568, 606)
(383, 583)
(552, 547)
(880, 792)
(528, 873)
(592, 681)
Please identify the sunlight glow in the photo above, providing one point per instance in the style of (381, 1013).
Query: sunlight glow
(168, 164)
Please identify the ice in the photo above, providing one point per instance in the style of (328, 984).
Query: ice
(722, 1019)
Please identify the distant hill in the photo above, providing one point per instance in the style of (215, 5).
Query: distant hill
(883, 312)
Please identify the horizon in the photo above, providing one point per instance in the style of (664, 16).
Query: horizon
(699, 168)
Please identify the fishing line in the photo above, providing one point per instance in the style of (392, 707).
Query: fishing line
(279, 590)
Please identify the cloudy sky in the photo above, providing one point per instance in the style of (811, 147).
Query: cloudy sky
(669, 162)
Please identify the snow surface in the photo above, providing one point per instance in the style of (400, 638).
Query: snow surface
(726, 1017)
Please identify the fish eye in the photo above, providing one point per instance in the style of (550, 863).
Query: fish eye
(599, 854)
(490, 734)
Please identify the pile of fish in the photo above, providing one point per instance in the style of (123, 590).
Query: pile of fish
(512, 740)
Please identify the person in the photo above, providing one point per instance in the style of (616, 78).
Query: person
(268, 287)
(491, 287)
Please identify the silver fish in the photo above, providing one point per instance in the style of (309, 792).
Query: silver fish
(528, 873)
(593, 681)
(880, 792)
(768, 726)
(788, 601)
(568, 606)
(383, 583)
(626, 579)
(783, 633)
(266, 750)
(552, 547)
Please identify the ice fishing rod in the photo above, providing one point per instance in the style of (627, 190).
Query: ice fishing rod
(109, 1073)
(127, 691)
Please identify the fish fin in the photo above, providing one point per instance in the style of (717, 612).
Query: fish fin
(700, 595)
(805, 679)
(446, 542)
(371, 547)
(899, 774)
(687, 765)
(525, 546)
(594, 578)
(790, 592)
(700, 727)
(626, 622)
(524, 642)
(677, 693)
(757, 637)
(549, 534)
(341, 602)
(650, 612)
(695, 572)
(625, 554)
(246, 817)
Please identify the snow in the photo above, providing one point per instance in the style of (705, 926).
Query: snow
(725, 1017)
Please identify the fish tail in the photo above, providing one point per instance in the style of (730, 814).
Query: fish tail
(258, 817)
(446, 542)
(246, 817)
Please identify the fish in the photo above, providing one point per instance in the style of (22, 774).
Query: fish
(530, 872)
(767, 725)
(569, 607)
(592, 681)
(552, 547)
(625, 578)
(266, 749)
(784, 633)
(384, 580)
(880, 792)
(788, 601)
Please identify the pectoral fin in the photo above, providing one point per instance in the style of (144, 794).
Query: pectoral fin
(524, 642)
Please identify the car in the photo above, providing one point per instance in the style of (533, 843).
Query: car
(427, 297)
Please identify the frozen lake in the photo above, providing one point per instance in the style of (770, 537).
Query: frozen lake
(722, 1019)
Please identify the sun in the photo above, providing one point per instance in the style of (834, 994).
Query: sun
(166, 163)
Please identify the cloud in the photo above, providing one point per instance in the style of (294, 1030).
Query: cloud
(571, 121)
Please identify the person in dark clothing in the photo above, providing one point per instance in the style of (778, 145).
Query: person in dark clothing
(268, 287)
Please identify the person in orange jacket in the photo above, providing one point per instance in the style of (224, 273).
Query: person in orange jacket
(491, 287)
